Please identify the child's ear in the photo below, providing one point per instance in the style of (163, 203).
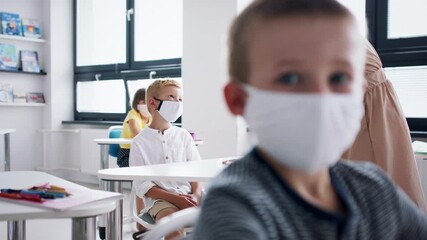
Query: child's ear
(151, 103)
(235, 97)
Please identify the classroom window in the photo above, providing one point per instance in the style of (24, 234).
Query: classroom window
(121, 41)
(410, 84)
(100, 32)
(95, 96)
(166, 32)
(398, 32)
(404, 18)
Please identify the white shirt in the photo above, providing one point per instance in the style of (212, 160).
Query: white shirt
(151, 146)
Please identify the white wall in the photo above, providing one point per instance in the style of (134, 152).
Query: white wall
(204, 75)
(59, 82)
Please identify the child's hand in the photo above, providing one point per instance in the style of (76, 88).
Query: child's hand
(184, 201)
(194, 197)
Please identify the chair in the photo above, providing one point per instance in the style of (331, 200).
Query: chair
(114, 132)
(184, 218)
(144, 219)
(177, 220)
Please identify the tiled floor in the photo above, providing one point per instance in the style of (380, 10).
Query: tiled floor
(54, 229)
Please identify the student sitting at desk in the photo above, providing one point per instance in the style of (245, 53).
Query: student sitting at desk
(136, 120)
(161, 142)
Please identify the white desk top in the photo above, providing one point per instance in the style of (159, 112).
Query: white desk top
(6, 131)
(11, 210)
(196, 171)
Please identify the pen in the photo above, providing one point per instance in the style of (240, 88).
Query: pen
(43, 194)
(21, 196)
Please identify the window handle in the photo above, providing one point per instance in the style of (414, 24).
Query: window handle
(128, 13)
(152, 74)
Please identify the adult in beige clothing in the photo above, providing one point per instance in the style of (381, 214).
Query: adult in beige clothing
(384, 137)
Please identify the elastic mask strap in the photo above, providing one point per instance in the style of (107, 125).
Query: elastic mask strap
(161, 102)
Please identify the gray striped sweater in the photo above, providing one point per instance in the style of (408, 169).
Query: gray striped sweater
(249, 201)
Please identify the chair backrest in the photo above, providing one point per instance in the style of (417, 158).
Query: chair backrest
(114, 132)
(178, 220)
(145, 219)
(185, 218)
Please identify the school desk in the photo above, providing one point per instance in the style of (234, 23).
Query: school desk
(83, 215)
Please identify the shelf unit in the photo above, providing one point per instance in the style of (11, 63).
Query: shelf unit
(22, 39)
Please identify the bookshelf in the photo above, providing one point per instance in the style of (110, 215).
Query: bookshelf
(22, 42)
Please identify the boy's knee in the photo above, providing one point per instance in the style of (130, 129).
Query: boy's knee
(162, 208)
(165, 212)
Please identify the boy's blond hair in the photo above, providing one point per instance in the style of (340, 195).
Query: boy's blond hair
(157, 86)
(243, 26)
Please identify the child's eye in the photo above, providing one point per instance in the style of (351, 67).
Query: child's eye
(339, 79)
(289, 78)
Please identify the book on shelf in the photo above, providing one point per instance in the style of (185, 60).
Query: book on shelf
(10, 24)
(31, 28)
(6, 92)
(8, 57)
(30, 61)
(34, 97)
(19, 96)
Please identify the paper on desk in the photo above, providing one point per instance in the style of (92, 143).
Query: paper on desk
(419, 147)
(79, 196)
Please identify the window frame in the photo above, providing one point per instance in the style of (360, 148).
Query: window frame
(131, 70)
(393, 52)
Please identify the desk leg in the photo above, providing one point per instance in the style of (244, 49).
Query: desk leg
(6, 152)
(16, 230)
(103, 165)
(114, 221)
(83, 228)
(104, 156)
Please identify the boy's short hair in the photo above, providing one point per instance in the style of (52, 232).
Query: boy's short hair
(138, 96)
(264, 10)
(156, 87)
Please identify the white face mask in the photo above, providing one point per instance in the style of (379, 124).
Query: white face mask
(142, 108)
(170, 110)
(306, 132)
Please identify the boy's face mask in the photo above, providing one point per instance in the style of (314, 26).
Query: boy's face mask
(170, 110)
(303, 131)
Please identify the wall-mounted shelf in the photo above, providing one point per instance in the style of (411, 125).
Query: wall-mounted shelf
(22, 104)
(22, 72)
(26, 39)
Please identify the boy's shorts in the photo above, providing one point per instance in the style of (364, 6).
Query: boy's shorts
(160, 205)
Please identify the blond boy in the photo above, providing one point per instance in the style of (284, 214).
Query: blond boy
(160, 143)
(296, 76)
